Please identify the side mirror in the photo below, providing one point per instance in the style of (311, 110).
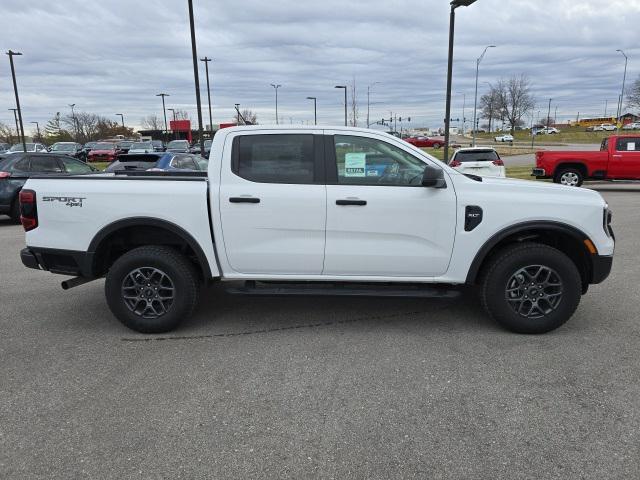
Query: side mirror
(433, 177)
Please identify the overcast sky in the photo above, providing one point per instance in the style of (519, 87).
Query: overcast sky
(113, 56)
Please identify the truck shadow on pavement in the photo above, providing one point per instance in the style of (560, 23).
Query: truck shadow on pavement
(224, 315)
(6, 221)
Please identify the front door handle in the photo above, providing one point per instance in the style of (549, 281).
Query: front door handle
(244, 200)
(358, 203)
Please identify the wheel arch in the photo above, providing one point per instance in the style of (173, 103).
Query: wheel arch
(577, 164)
(566, 238)
(126, 235)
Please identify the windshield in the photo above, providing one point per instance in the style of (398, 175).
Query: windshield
(103, 146)
(63, 147)
(141, 145)
(18, 147)
(125, 144)
(477, 156)
(178, 144)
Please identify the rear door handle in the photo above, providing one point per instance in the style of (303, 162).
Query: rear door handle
(244, 200)
(358, 203)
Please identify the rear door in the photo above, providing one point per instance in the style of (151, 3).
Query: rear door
(625, 159)
(272, 202)
(381, 221)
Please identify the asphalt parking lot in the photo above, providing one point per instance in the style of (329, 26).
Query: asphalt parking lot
(318, 388)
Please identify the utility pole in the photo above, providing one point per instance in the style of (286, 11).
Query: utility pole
(624, 79)
(276, 87)
(606, 104)
(15, 116)
(75, 123)
(555, 116)
(194, 54)
(238, 110)
(345, 102)
(549, 113)
(15, 90)
(206, 61)
(475, 102)
(164, 112)
(173, 111)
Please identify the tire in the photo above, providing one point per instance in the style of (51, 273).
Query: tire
(571, 177)
(506, 294)
(145, 273)
(15, 210)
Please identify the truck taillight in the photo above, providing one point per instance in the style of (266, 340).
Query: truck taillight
(28, 210)
(499, 163)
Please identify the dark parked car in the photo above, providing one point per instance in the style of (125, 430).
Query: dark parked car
(16, 168)
(69, 148)
(158, 145)
(166, 162)
(178, 146)
(124, 145)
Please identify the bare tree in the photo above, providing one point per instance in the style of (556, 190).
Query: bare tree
(181, 114)
(633, 95)
(84, 125)
(152, 122)
(514, 99)
(6, 133)
(490, 106)
(55, 132)
(353, 114)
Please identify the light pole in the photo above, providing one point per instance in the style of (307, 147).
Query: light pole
(624, 79)
(121, 115)
(276, 87)
(315, 109)
(464, 107)
(196, 79)
(549, 114)
(447, 120)
(15, 116)
(555, 117)
(206, 61)
(345, 102)
(38, 130)
(75, 123)
(475, 101)
(20, 132)
(238, 112)
(606, 104)
(369, 87)
(164, 112)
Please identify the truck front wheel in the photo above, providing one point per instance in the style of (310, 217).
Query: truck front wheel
(569, 176)
(530, 288)
(151, 289)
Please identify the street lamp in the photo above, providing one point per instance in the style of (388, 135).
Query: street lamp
(237, 105)
(121, 118)
(452, 21)
(345, 102)
(624, 79)
(173, 111)
(206, 61)
(196, 79)
(315, 109)
(276, 87)
(368, 94)
(164, 111)
(475, 101)
(38, 130)
(20, 132)
(75, 123)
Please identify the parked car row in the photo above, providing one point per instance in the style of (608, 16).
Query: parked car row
(603, 127)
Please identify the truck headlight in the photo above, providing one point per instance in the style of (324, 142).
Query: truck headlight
(607, 217)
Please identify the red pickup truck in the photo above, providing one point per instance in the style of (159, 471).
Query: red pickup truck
(618, 159)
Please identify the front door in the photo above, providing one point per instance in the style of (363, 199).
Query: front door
(381, 221)
(625, 160)
(273, 204)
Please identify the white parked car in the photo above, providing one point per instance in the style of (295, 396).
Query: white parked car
(632, 126)
(604, 127)
(504, 138)
(481, 161)
(141, 147)
(31, 147)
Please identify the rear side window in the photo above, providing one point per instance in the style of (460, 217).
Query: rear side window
(21, 165)
(605, 145)
(628, 144)
(75, 166)
(477, 156)
(275, 158)
(184, 161)
(45, 164)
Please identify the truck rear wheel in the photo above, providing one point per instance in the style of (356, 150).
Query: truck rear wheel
(531, 288)
(571, 177)
(151, 289)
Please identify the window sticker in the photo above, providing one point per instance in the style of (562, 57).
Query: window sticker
(355, 164)
(631, 146)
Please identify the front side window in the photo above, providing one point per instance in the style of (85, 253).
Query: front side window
(45, 164)
(367, 161)
(275, 158)
(605, 145)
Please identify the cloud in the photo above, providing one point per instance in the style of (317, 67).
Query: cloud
(114, 56)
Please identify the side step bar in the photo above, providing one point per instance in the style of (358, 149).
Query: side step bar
(343, 289)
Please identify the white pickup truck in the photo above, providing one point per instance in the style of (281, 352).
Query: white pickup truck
(319, 211)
